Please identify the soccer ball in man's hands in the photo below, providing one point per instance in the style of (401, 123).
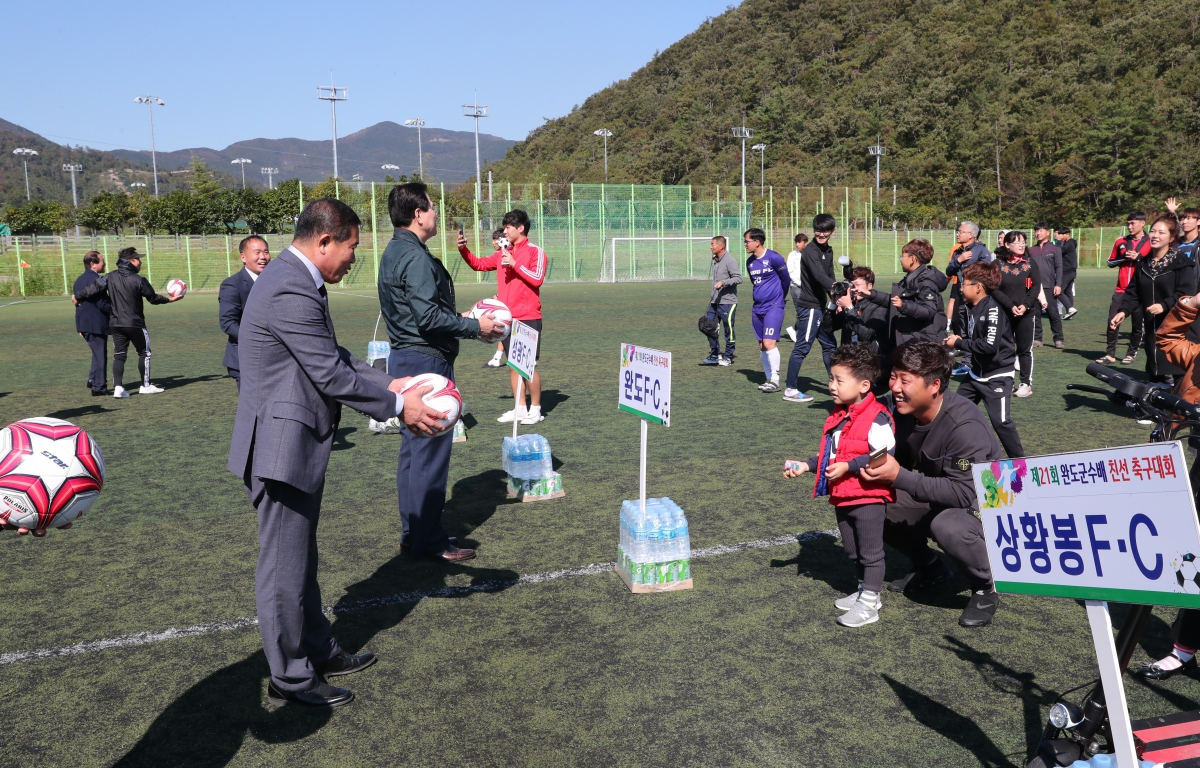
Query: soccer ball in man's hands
(51, 472)
(501, 316)
(444, 397)
(176, 288)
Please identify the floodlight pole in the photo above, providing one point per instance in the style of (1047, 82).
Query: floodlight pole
(476, 111)
(419, 122)
(762, 169)
(605, 133)
(150, 102)
(25, 155)
(269, 172)
(877, 151)
(242, 162)
(743, 133)
(333, 95)
(72, 168)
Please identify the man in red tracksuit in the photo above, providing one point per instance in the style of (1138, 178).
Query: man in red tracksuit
(1125, 253)
(521, 268)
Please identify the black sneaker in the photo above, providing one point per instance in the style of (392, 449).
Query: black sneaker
(920, 580)
(980, 609)
(710, 360)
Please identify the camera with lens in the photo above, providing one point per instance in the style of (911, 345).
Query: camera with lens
(840, 289)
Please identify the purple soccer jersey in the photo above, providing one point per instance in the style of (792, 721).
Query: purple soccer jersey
(771, 280)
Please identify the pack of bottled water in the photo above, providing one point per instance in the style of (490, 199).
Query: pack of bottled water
(528, 457)
(656, 547)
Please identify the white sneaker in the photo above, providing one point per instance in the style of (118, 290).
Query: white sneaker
(149, 389)
(724, 361)
(1024, 391)
(791, 332)
(509, 416)
(392, 426)
(120, 393)
(533, 417)
(864, 611)
(496, 361)
(847, 602)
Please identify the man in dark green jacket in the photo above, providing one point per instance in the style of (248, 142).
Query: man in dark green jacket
(416, 296)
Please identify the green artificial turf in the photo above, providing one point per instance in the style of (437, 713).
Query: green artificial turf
(748, 668)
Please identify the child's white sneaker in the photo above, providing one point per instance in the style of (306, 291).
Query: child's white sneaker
(864, 611)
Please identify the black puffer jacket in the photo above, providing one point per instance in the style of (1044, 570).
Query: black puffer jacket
(126, 289)
(921, 312)
(1163, 281)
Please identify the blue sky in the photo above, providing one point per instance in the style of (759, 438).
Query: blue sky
(233, 71)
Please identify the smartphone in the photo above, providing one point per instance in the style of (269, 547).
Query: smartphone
(877, 458)
(461, 232)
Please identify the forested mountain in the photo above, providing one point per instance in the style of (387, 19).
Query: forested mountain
(1001, 110)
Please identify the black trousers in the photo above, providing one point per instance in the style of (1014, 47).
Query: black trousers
(1067, 297)
(996, 396)
(98, 375)
(423, 469)
(910, 525)
(296, 634)
(1023, 331)
(122, 338)
(959, 324)
(723, 315)
(1051, 312)
(861, 527)
(1135, 334)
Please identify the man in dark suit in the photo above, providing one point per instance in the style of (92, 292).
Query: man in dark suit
(297, 378)
(91, 321)
(255, 255)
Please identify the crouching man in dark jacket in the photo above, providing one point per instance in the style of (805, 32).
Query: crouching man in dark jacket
(939, 435)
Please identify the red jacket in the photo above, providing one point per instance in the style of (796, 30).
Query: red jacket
(518, 286)
(1125, 253)
(853, 442)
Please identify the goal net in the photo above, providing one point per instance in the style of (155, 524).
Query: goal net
(628, 259)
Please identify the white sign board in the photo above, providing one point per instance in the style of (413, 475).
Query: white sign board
(522, 349)
(1117, 524)
(644, 387)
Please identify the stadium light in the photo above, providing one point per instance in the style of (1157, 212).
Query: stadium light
(877, 151)
(269, 173)
(137, 184)
(762, 168)
(333, 95)
(72, 168)
(419, 122)
(151, 102)
(476, 111)
(25, 155)
(390, 167)
(242, 162)
(605, 133)
(357, 179)
(743, 133)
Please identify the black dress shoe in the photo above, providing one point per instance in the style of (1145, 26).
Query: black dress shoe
(1154, 672)
(405, 547)
(101, 393)
(980, 609)
(322, 695)
(345, 664)
(920, 580)
(453, 554)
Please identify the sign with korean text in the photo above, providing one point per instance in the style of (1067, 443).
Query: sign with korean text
(644, 388)
(522, 349)
(1117, 524)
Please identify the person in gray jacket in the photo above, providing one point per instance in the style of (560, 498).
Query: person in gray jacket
(1049, 260)
(726, 275)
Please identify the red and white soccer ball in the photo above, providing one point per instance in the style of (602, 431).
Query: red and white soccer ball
(444, 397)
(176, 288)
(51, 472)
(501, 315)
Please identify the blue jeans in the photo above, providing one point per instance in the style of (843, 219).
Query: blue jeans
(424, 466)
(808, 330)
(722, 314)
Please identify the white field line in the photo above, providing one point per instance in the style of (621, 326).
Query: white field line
(148, 638)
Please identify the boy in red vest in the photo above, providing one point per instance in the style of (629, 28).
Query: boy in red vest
(859, 426)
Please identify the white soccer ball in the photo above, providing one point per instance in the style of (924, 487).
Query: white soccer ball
(444, 397)
(51, 472)
(501, 315)
(176, 288)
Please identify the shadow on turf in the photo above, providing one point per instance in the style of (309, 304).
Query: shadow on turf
(551, 398)
(340, 443)
(175, 382)
(953, 726)
(83, 410)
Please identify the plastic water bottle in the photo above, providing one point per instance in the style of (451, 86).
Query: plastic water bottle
(641, 534)
(547, 458)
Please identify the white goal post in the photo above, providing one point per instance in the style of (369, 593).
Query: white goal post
(660, 258)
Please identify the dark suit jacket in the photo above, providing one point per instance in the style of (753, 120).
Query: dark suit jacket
(91, 314)
(294, 379)
(232, 302)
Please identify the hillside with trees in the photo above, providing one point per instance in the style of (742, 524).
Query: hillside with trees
(1004, 111)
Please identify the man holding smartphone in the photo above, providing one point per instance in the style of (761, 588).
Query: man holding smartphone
(521, 269)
